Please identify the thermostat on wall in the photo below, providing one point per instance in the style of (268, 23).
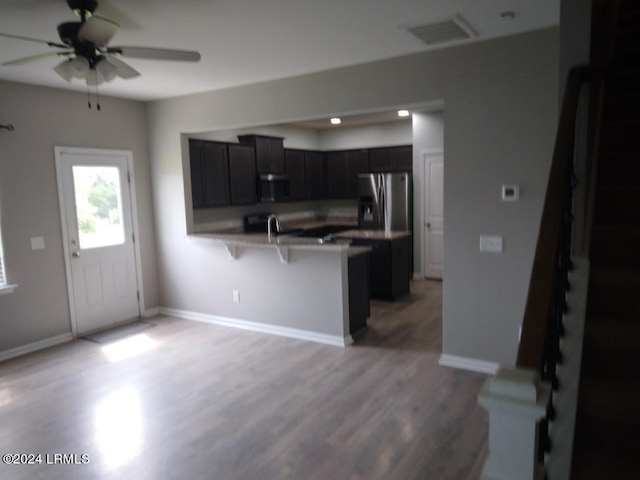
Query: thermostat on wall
(510, 193)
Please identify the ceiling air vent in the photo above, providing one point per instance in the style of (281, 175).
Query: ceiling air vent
(444, 32)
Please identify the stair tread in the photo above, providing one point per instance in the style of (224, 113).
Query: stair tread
(591, 464)
(615, 274)
(614, 333)
(623, 228)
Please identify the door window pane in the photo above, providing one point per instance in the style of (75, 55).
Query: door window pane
(98, 206)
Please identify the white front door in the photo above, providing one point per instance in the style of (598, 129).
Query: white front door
(433, 215)
(96, 210)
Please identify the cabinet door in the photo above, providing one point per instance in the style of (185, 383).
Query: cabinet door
(357, 163)
(276, 156)
(343, 169)
(197, 180)
(402, 158)
(380, 160)
(391, 159)
(315, 175)
(269, 152)
(337, 174)
(295, 164)
(209, 174)
(242, 174)
(216, 174)
(380, 268)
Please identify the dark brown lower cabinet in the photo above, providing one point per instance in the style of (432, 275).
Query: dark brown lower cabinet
(358, 292)
(388, 266)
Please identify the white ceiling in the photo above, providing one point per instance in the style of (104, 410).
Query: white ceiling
(249, 41)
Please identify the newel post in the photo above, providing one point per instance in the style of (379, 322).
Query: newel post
(516, 400)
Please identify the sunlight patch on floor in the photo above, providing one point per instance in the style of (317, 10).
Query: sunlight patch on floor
(129, 347)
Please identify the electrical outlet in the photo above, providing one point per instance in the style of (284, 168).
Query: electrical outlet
(236, 296)
(491, 243)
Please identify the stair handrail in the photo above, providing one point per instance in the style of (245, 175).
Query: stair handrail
(534, 344)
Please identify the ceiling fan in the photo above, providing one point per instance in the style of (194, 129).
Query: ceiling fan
(87, 55)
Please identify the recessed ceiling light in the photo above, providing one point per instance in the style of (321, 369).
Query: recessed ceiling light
(336, 121)
(403, 113)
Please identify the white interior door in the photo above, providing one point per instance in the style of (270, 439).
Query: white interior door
(433, 233)
(96, 210)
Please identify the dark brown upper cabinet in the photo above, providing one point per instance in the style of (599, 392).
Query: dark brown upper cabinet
(295, 167)
(209, 174)
(269, 152)
(315, 173)
(391, 159)
(242, 174)
(343, 169)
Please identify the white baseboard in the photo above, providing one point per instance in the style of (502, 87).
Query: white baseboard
(260, 327)
(151, 312)
(35, 346)
(471, 364)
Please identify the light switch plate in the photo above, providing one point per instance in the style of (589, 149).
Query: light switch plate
(491, 243)
(37, 243)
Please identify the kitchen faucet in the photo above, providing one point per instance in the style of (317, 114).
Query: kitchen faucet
(272, 217)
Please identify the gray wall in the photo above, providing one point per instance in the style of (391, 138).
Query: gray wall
(501, 112)
(369, 136)
(44, 118)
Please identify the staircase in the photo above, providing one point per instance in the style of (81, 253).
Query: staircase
(607, 435)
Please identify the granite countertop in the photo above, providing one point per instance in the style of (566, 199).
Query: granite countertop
(372, 234)
(341, 239)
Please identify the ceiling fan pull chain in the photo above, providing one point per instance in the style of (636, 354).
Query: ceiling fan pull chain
(97, 98)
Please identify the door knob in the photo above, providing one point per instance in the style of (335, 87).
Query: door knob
(75, 254)
(428, 224)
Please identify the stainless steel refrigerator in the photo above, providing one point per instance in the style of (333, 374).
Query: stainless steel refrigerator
(385, 201)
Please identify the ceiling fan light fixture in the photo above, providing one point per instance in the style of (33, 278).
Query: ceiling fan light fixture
(94, 78)
(106, 69)
(79, 67)
(64, 70)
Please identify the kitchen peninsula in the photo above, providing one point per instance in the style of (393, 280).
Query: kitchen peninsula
(301, 287)
(313, 284)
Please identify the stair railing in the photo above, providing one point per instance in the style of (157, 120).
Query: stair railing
(519, 400)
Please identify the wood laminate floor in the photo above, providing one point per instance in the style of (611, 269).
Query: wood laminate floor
(212, 402)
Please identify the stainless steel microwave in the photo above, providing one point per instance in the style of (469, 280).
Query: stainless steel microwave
(273, 188)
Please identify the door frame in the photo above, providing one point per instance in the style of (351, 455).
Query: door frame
(423, 192)
(59, 152)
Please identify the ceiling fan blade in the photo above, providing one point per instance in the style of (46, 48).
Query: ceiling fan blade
(30, 39)
(122, 69)
(97, 31)
(35, 58)
(107, 9)
(156, 53)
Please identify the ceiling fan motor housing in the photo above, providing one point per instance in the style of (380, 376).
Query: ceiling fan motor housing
(83, 7)
(68, 32)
